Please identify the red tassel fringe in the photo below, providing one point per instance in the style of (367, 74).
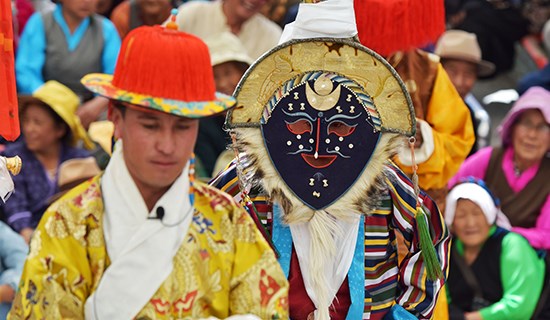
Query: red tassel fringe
(179, 63)
(9, 116)
(387, 26)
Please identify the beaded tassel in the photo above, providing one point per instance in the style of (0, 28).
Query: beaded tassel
(192, 179)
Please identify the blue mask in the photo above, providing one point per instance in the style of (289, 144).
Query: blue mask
(320, 134)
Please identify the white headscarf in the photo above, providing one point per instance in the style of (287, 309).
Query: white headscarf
(481, 197)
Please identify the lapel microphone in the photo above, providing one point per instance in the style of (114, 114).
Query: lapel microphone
(159, 215)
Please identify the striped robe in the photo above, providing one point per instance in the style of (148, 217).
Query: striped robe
(386, 282)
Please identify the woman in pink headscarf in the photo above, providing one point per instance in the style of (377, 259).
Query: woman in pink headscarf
(518, 171)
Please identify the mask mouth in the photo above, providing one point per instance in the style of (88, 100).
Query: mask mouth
(318, 162)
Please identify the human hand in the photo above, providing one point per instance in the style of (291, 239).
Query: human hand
(89, 111)
(473, 316)
(418, 136)
(26, 233)
(7, 294)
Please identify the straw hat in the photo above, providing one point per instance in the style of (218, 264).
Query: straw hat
(102, 133)
(165, 70)
(225, 47)
(64, 102)
(462, 45)
(72, 173)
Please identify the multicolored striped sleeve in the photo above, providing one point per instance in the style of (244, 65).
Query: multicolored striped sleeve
(418, 294)
(228, 181)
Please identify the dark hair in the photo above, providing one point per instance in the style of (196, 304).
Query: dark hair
(119, 105)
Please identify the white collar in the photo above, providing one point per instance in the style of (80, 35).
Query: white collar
(139, 248)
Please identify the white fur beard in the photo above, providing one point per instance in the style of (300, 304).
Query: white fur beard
(361, 198)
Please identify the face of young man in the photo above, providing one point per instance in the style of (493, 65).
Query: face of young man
(157, 146)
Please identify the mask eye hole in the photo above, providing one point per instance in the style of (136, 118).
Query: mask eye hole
(299, 127)
(340, 128)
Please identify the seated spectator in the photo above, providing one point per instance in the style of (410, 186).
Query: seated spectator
(229, 63)
(494, 274)
(208, 18)
(21, 11)
(498, 25)
(64, 45)
(540, 78)
(131, 14)
(51, 131)
(13, 251)
(461, 58)
(517, 172)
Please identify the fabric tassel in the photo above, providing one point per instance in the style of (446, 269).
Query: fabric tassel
(433, 266)
(246, 202)
(9, 116)
(387, 26)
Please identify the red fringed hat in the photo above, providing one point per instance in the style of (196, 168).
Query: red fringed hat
(387, 26)
(178, 62)
(9, 118)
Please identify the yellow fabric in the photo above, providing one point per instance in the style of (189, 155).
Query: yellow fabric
(65, 103)
(102, 133)
(223, 267)
(453, 134)
(441, 311)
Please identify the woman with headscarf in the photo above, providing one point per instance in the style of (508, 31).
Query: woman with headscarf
(518, 171)
(493, 273)
(51, 131)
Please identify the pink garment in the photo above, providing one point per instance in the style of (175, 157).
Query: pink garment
(476, 166)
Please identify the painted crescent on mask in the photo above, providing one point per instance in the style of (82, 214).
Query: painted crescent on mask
(322, 98)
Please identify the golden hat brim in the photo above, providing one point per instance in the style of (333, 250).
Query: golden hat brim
(342, 56)
(102, 84)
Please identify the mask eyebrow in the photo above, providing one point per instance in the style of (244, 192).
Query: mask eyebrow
(343, 116)
(298, 114)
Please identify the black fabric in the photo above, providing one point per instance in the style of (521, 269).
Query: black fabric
(320, 141)
(497, 29)
(486, 268)
(475, 123)
(135, 18)
(211, 141)
(542, 311)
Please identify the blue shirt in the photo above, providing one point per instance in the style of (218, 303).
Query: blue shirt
(31, 53)
(13, 252)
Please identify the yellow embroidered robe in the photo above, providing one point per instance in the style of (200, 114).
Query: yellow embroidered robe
(223, 267)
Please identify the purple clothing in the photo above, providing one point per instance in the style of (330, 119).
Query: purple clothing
(33, 187)
(476, 166)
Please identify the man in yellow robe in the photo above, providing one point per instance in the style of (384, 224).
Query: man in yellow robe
(144, 240)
